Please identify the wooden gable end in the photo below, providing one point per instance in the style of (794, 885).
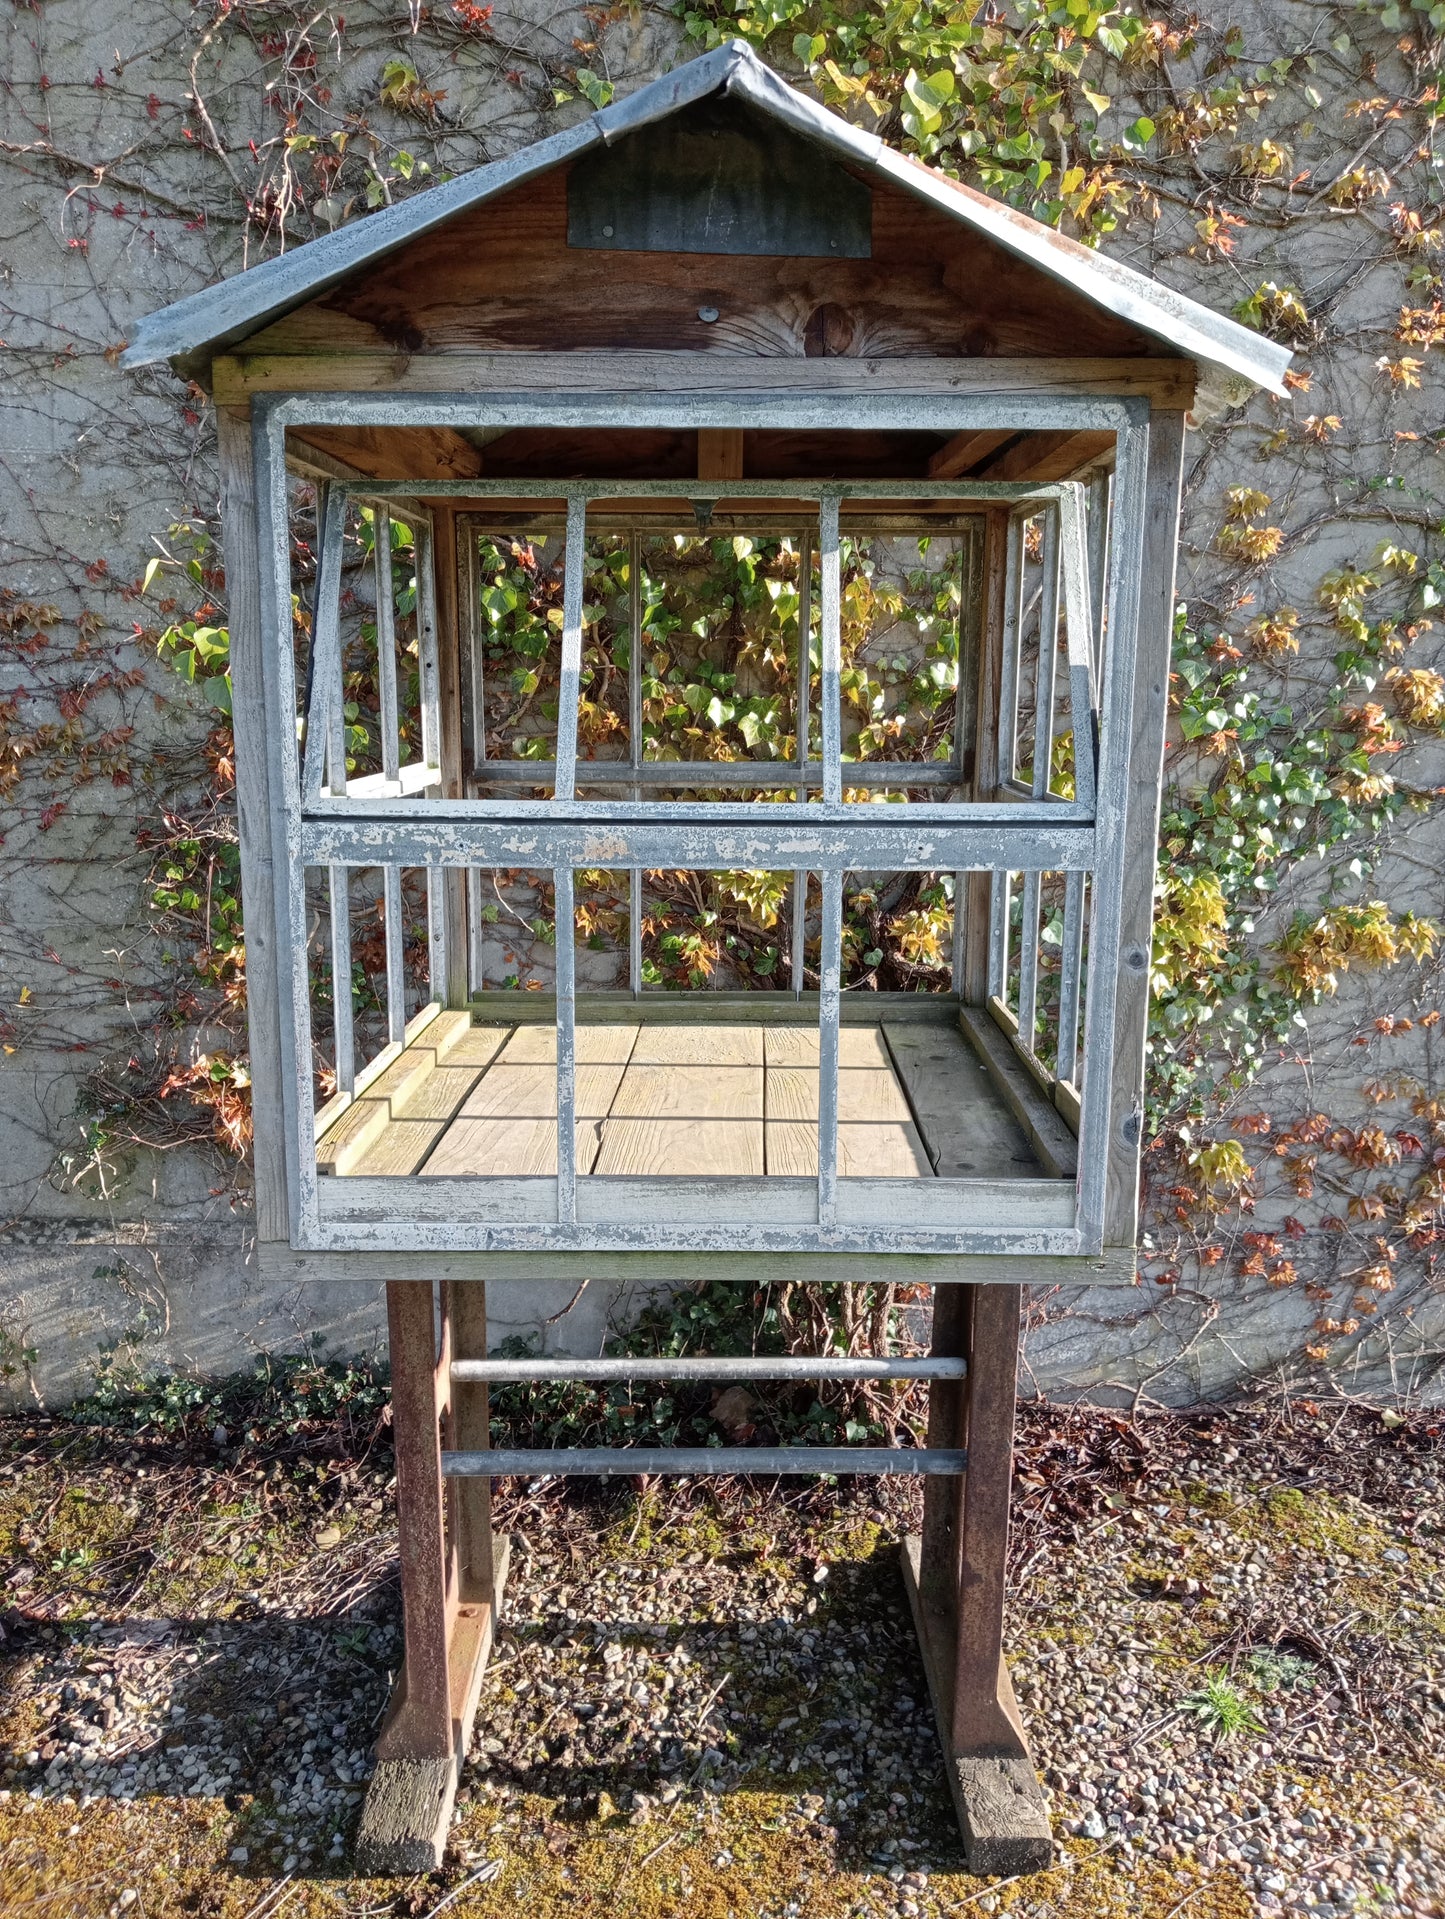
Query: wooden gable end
(502, 277)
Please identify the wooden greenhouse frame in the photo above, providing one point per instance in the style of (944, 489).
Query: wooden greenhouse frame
(563, 337)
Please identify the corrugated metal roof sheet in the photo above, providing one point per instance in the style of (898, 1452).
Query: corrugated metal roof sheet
(191, 331)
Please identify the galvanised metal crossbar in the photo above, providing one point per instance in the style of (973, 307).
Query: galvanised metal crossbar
(703, 1462)
(698, 1366)
(1026, 830)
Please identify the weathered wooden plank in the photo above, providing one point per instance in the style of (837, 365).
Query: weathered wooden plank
(425, 1111)
(655, 1146)
(968, 1128)
(670, 1118)
(513, 1090)
(605, 1044)
(868, 1095)
(858, 1046)
(1055, 1146)
(890, 1149)
(709, 1045)
(1047, 456)
(1146, 728)
(720, 453)
(771, 1009)
(507, 1127)
(509, 1148)
(426, 452)
(508, 1124)
(253, 803)
(963, 452)
(279, 1263)
(1164, 382)
(690, 1092)
(386, 1097)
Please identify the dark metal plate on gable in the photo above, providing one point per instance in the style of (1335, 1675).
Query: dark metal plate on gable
(718, 178)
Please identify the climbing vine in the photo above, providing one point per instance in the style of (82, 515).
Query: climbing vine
(1287, 170)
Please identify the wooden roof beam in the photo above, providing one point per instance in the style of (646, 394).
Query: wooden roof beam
(963, 452)
(720, 453)
(1046, 456)
(378, 452)
(235, 378)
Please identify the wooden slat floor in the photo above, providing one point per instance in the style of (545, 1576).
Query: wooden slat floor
(914, 1102)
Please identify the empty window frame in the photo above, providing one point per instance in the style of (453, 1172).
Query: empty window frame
(392, 825)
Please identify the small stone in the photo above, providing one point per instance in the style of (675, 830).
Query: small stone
(240, 1856)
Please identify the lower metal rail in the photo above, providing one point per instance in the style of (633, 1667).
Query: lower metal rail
(698, 1462)
(547, 1370)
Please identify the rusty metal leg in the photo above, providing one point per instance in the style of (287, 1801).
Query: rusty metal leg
(1001, 1809)
(423, 1741)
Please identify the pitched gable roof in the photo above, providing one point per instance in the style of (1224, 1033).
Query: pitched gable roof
(211, 321)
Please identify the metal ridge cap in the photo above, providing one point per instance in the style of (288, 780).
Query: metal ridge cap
(753, 80)
(711, 72)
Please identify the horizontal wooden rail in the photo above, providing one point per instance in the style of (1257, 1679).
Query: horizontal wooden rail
(1167, 383)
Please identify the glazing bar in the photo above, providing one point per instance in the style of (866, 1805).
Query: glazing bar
(338, 878)
(1048, 653)
(778, 776)
(998, 932)
(324, 761)
(635, 743)
(697, 1366)
(831, 648)
(830, 967)
(802, 727)
(1029, 961)
(569, 690)
(428, 662)
(1008, 697)
(436, 933)
(968, 628)
(566, 1046)
(1079, 619)
(800, 930)
(472, 880)
(476, 645)
(1107, 417)
(395, 934)
(803, 688)
(701, 1462)
(386, 645)
(1070, 976)
(1101, 494)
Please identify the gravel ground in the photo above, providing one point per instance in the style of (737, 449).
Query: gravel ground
(1227, 1633)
